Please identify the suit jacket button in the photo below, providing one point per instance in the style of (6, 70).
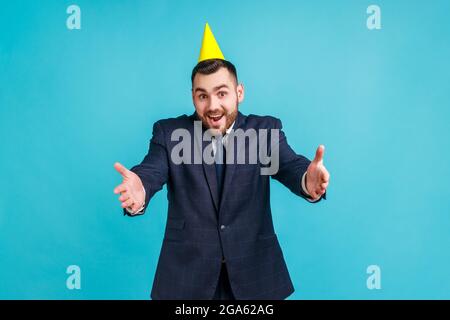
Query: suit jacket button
(222, 227)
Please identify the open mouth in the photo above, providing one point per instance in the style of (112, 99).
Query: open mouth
(215, 118)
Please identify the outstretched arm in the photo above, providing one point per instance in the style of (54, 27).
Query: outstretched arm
(304, 178)
(144, 180)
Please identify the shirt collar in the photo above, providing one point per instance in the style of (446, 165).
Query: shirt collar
(230, 128)
(225, 136)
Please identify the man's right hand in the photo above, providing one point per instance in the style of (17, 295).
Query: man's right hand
(131, 190)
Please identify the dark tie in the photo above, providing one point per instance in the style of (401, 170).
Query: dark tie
(220, 167)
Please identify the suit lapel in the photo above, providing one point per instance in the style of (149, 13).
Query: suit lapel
(210, 169)
(232, 162)
(210, 173)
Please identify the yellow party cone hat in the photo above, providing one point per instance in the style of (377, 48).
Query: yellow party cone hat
(210, 49)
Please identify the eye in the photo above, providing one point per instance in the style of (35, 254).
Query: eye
(202, 96)
(222, 94)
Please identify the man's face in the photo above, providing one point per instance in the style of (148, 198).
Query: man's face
(216, 98)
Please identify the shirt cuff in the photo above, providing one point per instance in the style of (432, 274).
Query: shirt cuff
(141, 209)
(305, 190)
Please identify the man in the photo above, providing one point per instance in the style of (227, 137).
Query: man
(219, 240)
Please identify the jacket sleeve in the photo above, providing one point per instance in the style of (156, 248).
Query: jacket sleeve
(154, 168)
(291, 166)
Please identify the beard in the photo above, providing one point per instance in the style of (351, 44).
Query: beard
(229, 119)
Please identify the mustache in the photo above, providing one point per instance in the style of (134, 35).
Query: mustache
(216, 114)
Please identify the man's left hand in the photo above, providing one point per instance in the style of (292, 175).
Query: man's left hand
(317, 176)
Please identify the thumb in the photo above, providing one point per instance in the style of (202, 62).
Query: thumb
(319, 153)
(121, 169)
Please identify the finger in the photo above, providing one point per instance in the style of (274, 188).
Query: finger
(319, 192)
(325, 176)
(135, 207)
(324, 185)
(121, 188)
(319, 153)
(121, 169)
(124, 197)
(313, 194)
(127, 203)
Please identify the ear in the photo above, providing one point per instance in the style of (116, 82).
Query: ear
(240, 92)
(193, 95)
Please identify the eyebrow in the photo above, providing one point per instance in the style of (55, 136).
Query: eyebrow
(214, 89)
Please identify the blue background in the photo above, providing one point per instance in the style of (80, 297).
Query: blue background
(72, 102)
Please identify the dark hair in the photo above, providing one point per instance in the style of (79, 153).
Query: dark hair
(212, 65)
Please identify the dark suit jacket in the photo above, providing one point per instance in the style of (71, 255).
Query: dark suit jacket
(204, 228)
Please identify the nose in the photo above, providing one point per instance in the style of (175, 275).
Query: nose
(214, 105)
